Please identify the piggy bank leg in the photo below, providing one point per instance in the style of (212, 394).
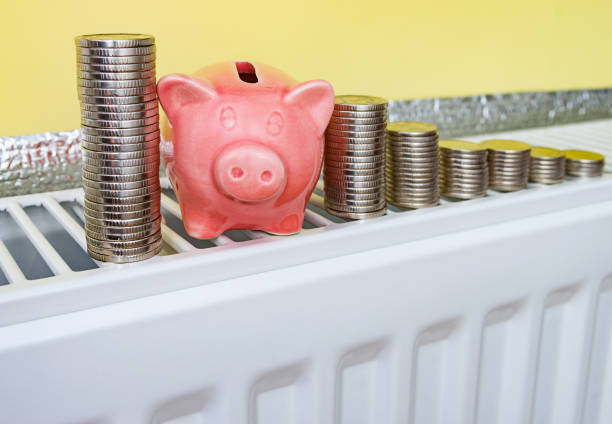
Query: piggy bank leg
(202, 224)
(291, 224)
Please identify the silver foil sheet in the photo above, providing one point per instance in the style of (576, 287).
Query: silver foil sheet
(52, 161)
(459, 116)
(39, 162)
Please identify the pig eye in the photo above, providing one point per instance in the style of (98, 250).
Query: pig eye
(227, 118)
(275, 124)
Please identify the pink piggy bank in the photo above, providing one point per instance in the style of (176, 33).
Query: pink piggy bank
(243, 146)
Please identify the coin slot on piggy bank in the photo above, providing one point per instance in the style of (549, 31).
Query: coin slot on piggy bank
(245, 146)
(246, 72)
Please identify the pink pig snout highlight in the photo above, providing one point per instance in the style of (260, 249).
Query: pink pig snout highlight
(249, 172)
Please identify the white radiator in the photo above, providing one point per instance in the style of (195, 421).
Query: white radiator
(495, 310)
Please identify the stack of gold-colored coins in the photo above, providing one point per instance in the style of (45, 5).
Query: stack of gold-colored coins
(354, 172)
(581, 163)
(508, 164)
(412, 164)
(464, 170)
(547, 165)
(120, 141)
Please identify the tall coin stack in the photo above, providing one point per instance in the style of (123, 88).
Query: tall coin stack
(413, 165)
(581, 163)
(354, 172)
(508, 164)
(547, 165)
(464, 169)
(120, 142)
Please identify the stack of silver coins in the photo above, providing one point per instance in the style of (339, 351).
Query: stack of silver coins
(581, 163)
(547, 165)
(464, 169)
(120, 143)
(412, 165)
(354, 166)
(508, 164)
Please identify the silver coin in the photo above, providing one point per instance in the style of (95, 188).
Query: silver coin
(354, 159)
(407, 149)
(412, 141)
(121, 226)
(354, 134)
(348, 165)
(355, 153)
(116, 84)
(154, 112)
(411, 129)
(356, 172)
(121, 147)
(153, 247)
(400, 156)
(331, 145)
(130, 139)
(116, 51)
(117, 92)
(115, 200)
(352, 178)
(110, 70)
(116, 100)
(336, 197)
(116, 170)
(136, 207)
(115, 60)
(122, 222)
(357, 121)
(356, 128)
(123, 259)
(108, 185)
(338, 184)
(105, 244)
(547, 180)
(355, 209)
(414, 201)
(109, 192)
(150, 214)
(119, 132)
(123, 235)
(360, 114)
(353, 140)
(357, 216)
(124, 178)
(460, 163)
(360, 102)
(90, 161)
(120, 124)
(115, 108)
(118, 40)
(335, 191)
(430, 179)
(148, 153)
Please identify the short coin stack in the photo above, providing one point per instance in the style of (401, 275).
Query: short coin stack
(547, 165)
(581, 163)
(412, 165)
(508, 164)
(120, 142)
(464, 169)
(354, 172)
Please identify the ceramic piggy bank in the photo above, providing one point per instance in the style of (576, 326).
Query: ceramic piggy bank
(243, 146)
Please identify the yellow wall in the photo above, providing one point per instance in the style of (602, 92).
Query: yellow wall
(398, 49)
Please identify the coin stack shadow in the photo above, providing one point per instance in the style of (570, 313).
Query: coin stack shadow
(582, 163)
(354, 166)
(464, 169)
(547, 165)
(508, 164)
(412, 165)
(120, 144)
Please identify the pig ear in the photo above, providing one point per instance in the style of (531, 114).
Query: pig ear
(178, 90)
(317, 98)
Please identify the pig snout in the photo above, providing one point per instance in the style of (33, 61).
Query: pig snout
(249, 172)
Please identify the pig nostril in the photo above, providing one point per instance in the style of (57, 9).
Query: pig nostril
(236, 172)
(266, 176)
